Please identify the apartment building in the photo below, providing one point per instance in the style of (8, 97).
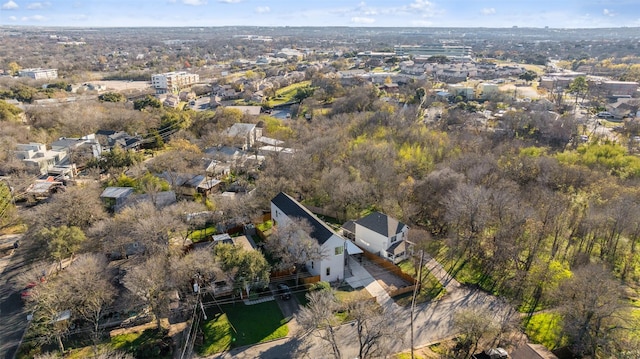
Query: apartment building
(173, 82)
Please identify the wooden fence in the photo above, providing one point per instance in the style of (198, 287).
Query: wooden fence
(397, 271)
(388, 266)
(310, 280)
(402, 290)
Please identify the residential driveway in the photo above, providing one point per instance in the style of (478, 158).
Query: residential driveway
(289, 308)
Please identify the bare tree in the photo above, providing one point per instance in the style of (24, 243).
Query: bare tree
(50, 304)
(152, 282)
(88, 278)
(376, 328)
(293, 246)
(318, 317)
(474, 326)
(78, 206)
(591, 308)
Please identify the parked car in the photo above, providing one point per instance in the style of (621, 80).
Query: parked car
(284, 291)
(605, 115)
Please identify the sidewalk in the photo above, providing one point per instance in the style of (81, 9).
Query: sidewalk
(447, 281)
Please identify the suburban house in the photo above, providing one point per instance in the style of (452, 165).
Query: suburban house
(246, 134)
(38, 159)
(110, 138)
(190, 184)
(380, 234)
(331, 268)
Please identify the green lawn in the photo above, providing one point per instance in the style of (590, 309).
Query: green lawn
(146, 344)
(285, 94)
(431, 287)
(545, 328)
(203, 234)
(252, 323)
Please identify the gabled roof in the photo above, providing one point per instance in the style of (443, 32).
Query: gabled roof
(350, 226)
(532, 351)
(321, 232)
(116, 192)
(381, 223)
(240, 129)
(397, 248)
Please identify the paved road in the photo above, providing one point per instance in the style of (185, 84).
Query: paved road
(12, 316)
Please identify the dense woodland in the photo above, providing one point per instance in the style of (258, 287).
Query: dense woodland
(524, 212)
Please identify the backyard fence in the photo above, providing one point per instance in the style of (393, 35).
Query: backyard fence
(392, 268)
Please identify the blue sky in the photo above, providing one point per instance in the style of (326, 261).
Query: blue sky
(414, 13)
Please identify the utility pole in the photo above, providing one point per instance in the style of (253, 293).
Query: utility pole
(415, 294)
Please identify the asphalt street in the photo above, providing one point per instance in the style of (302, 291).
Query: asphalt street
(13, 321)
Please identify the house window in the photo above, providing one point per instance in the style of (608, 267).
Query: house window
(394, 238)
(339, 250)
(311, 264)
(328, 271)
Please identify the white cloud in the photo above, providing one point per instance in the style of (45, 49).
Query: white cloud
(362, 20)
(607, 12)
(194, 2)
(488, 11)
(38, 5)
(230, 1)
(422, 5)
(10, 5)
(13, 18)
(33, 18)
(263, 9)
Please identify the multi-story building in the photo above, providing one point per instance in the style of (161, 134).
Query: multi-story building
(173, 82)
(39, 74)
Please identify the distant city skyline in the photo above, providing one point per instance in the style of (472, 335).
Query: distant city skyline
(357, 13)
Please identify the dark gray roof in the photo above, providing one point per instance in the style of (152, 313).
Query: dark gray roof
(116, 192)
(392, 248)
(293, 209)
(381, 223)
(350, 226)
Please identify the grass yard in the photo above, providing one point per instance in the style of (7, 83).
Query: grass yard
(285, 94)
(252, 323)
(431, 287)
(545, 328)
(203, 234)
(347, 295)
(146, 344)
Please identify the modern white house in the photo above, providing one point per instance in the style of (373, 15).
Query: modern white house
(382, 235)
(246, 134)
(39, 73)
(333, 247)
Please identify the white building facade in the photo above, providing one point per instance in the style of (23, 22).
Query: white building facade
(39, 74)
(173, 82)
(333, 247)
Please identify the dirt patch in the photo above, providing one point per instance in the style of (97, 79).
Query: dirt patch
(123, 85)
